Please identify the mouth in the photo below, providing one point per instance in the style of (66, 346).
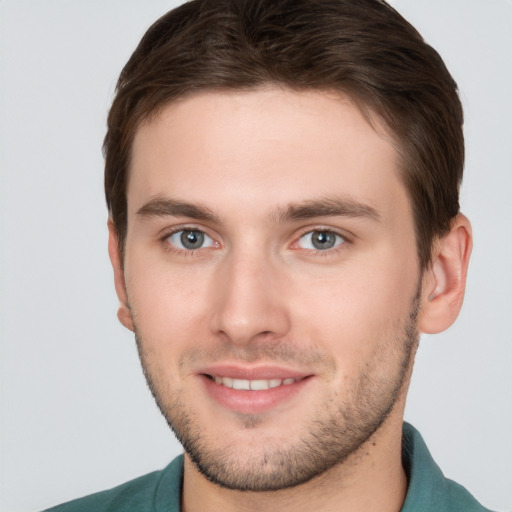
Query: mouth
(251, 385)
(253, 391)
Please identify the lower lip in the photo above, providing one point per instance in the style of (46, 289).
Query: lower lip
(252, 402)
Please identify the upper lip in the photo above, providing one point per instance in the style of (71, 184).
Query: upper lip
(264, 372)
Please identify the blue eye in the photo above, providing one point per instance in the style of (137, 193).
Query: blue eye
(190, 239)
(320, 240)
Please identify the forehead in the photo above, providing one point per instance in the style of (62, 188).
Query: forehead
(263, 148)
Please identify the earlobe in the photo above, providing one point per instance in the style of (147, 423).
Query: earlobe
(124, 313)
(444, 282)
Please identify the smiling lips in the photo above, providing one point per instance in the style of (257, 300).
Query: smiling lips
(253, 385)
(253, 391)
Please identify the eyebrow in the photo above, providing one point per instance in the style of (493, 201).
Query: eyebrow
(164, 207)
(324, 207)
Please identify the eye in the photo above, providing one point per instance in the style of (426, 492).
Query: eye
(320, 240)
(190, 239)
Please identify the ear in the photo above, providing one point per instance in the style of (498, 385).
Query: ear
(444, 282)
(124, 312)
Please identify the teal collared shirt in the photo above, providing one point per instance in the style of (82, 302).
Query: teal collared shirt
(160, 491)
(429, 490)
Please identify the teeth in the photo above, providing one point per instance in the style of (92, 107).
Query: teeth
(241, 384)
(254, 385)
(258, 385)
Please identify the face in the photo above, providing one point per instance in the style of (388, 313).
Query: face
(272, 280)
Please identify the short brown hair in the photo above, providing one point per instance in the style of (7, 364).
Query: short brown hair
(362, 48)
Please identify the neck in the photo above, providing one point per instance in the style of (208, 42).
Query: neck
(371, 479)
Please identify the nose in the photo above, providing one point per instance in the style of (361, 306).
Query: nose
(250, 300)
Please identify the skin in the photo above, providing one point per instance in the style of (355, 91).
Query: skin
(258, 295)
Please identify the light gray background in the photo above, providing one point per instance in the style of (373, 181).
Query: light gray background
(75, 413)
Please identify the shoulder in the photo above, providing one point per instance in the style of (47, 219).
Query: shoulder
(144, 494)
(459, 498)
(429, 490)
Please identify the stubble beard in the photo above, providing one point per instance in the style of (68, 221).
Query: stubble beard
(332, 437)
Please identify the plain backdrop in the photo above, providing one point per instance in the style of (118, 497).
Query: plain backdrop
(76, 416)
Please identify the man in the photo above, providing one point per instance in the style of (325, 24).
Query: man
(282, 181)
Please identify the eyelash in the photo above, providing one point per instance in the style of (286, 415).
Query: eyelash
(194, 252)
(326, 252)
(164, 239)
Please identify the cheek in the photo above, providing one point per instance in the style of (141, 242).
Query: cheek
(168, 305)
(355, 311)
